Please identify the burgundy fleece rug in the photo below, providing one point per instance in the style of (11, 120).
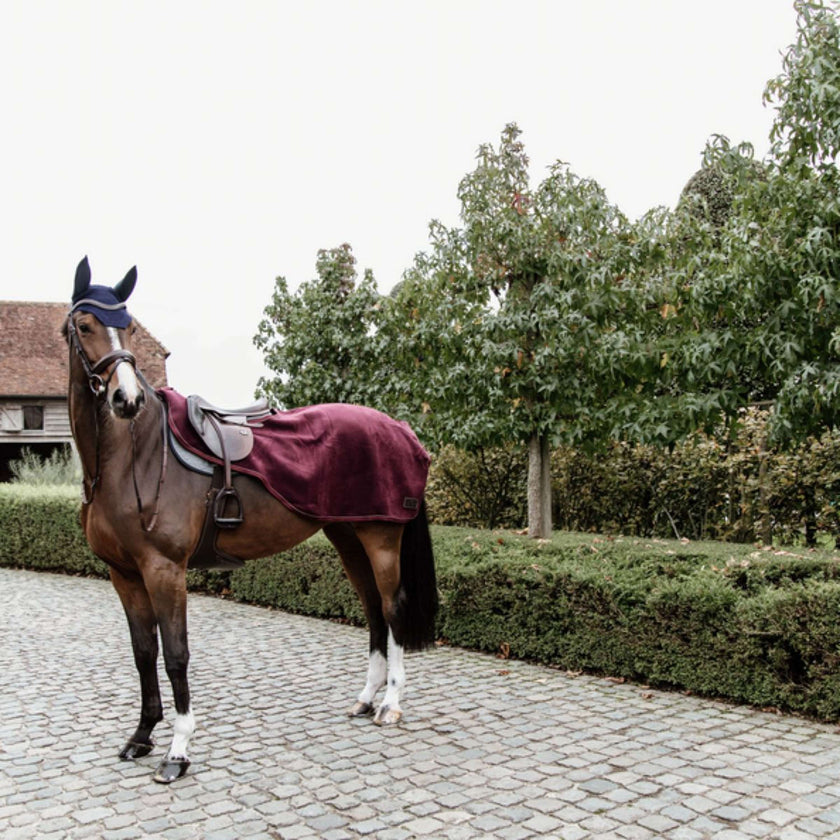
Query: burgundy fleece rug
(330, 462)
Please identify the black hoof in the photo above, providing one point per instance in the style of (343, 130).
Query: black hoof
(170, 770)
(136, 749)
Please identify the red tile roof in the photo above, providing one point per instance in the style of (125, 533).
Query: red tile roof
(34, 354)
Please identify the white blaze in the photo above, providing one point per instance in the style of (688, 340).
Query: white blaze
(125, 373)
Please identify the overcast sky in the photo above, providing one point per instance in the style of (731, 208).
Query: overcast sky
(217, 145)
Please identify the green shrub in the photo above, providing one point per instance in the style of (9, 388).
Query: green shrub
(482, 489)
(726, 486)
(308, 579)
(40, 529)
(61, 468)
(719, 619)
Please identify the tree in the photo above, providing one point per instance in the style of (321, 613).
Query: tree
(705, 372)
(547, 317)
(797, 253)
(320, 342)
(806, 95)
(756, 287)
(512, 326)
(755, 293)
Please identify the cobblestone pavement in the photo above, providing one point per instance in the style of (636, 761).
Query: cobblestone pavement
(488, 749)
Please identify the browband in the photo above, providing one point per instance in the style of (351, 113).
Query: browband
(92, 302)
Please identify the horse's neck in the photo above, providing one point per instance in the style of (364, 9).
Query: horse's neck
(147, 442)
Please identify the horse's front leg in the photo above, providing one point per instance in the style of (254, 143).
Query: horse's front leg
(142, 626)
(167, 586)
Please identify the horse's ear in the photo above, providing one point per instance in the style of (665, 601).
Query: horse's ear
(126, 286)
(82, 279)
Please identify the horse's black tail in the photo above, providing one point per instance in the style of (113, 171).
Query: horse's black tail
(417, 601)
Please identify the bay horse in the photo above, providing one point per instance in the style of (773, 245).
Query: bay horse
(117, 422)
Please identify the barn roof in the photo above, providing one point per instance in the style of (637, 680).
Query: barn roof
(34, 354)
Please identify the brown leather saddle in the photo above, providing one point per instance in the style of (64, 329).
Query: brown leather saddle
(228, 434)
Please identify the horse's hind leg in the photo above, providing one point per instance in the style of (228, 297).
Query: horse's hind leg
(142, 626)
(381, 542)
(360, 573)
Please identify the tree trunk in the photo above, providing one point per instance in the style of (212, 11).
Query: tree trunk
(810, 518)
(766, 519)
(539, 487)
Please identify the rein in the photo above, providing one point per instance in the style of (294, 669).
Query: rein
(99, 387)
(164, 463)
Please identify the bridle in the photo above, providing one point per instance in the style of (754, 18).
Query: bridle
(99, 387)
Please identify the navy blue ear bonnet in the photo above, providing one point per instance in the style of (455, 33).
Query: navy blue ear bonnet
(108, 305)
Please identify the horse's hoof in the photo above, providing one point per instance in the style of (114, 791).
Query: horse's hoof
(169, 770)
(136, 749)
(361, 710)
(386, 716)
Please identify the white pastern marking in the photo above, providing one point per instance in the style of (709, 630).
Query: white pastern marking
(396, 674)
(125, 372)
(377, 674)
(183, 729)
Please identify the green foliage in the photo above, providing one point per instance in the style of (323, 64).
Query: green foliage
(708, 194)
(320, 342)
(727, 485)
(753, 626)
(755, 290)
(515, 323)
(307, 580)
(525, 324)
(806, 94)
(40, 529)
(62, 467)
(791, 253)
(546, 315)
(724, 486)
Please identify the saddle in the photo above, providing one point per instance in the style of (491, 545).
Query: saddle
(227, 433)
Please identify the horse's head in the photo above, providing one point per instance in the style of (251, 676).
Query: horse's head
(99, 329)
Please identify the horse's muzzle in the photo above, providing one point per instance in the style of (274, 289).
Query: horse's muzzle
(127, 408)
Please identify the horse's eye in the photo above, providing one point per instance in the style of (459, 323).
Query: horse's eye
(85, 329)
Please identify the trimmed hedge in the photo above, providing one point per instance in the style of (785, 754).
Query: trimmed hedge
(40, 529)
(755, 626)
